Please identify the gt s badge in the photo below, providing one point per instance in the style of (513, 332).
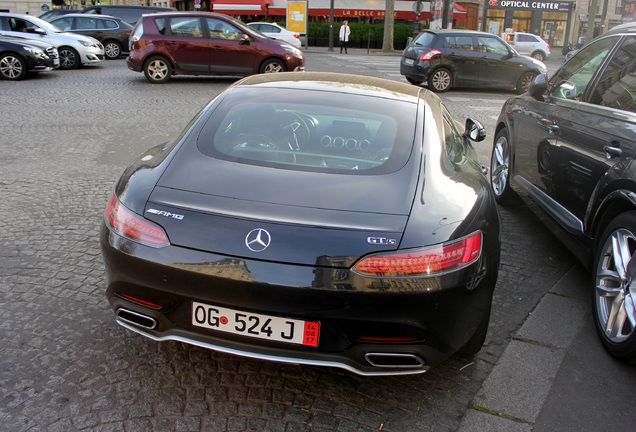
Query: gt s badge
(165, 214)
(381, 241)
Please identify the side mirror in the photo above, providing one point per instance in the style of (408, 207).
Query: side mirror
(474, 130)
(245, 40)
(538, 87)
(38, 30)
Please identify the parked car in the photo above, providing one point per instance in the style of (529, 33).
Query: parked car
(231, 237)
(112, 32)
(205, 43)
(528, 44)
(461, 58)
(54, 13)
(74, 50)
(129, 14)
(275, 31)
(568, 148)
(19, 57)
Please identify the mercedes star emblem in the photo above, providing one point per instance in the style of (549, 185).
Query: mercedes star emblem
(257, 240)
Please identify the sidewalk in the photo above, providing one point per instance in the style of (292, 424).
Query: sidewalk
(555, 375)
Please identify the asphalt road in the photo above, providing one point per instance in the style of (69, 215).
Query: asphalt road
(64, 363)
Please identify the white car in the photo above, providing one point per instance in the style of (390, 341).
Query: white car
(528, 44)
(74, 50)
(275, 31)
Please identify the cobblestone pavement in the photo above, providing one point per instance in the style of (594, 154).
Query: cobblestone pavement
(64, 363)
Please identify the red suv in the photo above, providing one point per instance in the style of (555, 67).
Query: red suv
(205, 43)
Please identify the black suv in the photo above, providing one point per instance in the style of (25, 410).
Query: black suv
(447, 58)
(568, 148)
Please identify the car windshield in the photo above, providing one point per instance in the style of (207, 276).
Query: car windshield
(46, 25)
(311, 131)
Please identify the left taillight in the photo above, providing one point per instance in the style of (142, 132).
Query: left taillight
(429, 261)
(130, 225)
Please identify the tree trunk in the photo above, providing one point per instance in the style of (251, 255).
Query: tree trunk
(387, 42)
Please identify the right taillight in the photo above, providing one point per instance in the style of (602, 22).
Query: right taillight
(130, 225)
(429, 261)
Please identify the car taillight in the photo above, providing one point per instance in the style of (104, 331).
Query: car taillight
(296, 35)
(430, 54)
(130, 225)
(429, 261)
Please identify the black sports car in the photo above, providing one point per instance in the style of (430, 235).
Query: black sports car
(322, 219)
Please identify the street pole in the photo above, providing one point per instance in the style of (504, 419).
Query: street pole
(591, 21)
(445, 14)
(331, 26)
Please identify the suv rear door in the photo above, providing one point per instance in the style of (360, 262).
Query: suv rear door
(187, 43)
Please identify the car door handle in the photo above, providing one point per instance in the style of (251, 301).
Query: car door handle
(613, 150)
(552, 127)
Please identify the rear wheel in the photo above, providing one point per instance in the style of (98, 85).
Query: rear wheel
(524, 82)
(440, 80)
(112, 50)
(69, 58)
(538, 55)
(500, 168)
(272, 66)
(12, 67)
(614, 295)
(157, 70)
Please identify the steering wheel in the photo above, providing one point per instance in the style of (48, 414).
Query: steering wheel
(252, 141)
(295, 128)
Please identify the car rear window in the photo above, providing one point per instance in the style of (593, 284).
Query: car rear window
(311, 131)
(425, 39)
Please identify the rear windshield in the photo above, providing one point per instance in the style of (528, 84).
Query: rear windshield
(311, 131)
(425, 39)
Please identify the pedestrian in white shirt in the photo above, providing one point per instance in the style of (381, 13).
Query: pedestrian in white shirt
(344, 36)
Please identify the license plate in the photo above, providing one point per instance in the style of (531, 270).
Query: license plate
(409, 62)
(258, 326)
(56, 62)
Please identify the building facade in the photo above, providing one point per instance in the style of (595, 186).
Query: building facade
(558, 22)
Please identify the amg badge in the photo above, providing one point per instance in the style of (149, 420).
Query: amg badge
(165, 213)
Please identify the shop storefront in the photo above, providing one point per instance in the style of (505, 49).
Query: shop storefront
(549, 20)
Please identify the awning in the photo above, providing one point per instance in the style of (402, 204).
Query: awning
(240, 7)
(363, 8)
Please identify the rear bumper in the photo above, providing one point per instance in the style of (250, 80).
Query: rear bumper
(417, 71)
(399, 328)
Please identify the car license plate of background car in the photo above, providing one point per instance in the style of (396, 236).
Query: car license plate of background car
(409, 62)
(259, 326)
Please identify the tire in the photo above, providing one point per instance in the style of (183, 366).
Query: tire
(112, 50)
(272, 66)
(12, 67)
(413, 81)
(524, 81)
(614, 296)
(440, 80)
(538, 55)
(69, 58)
(476, 341)
(157, 70)
(500, 164)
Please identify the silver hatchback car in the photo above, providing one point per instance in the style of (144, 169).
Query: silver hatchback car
(529, 44)
(74, 49)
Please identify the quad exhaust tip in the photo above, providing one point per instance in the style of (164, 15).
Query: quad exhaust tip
(137, 319)
(394, 360)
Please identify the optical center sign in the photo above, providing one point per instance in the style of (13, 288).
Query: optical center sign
(530, 5)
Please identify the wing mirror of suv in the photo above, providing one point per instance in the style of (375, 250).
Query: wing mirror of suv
(538, 87)
(37, 30)
(474, 130)
(245, 40)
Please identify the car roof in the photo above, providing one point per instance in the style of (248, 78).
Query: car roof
(459, 31)
(83, 15)
(339, 82)
(623, 28)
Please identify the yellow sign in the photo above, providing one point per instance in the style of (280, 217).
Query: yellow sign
(297, 16)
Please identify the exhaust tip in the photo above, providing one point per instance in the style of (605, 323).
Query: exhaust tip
(394, 360)
(136, 318)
